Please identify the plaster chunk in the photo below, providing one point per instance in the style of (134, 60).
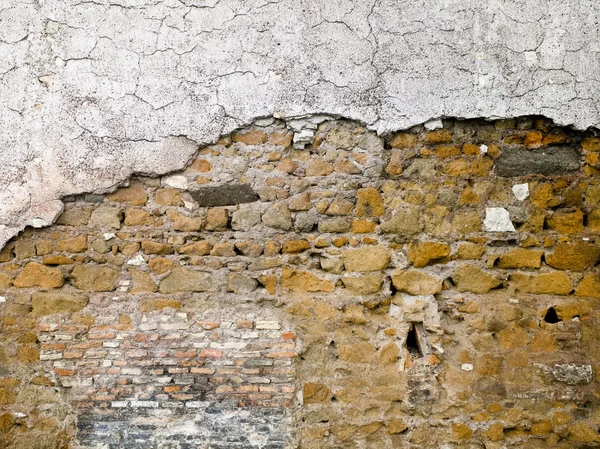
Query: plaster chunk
(497, 219)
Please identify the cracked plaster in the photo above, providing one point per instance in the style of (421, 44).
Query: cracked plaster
(92, 91)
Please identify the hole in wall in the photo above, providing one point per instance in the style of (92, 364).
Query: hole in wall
(551, 316)
(413, 345)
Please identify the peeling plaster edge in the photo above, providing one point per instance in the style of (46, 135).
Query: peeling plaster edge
(45, 214)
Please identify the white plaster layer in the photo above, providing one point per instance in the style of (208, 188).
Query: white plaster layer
(93, 91)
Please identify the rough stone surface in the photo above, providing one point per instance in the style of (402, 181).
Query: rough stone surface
(549, 161)
(226, 195)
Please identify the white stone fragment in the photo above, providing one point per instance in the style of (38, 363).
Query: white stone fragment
(433, 124)
(145, 404)
(483, 149)
(497, 219)
(514, 300)
(136, 261)
(521, 191)
(268, 325)
(19, 415)
(2, 299)
(37, 222)
(109, 235)
(177, 182)
(466, 367)
(188, 205)
(119, 404)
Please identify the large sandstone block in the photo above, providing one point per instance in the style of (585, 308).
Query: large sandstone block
(473, 279)
(185, 280)
(95, 278)
(304, 281)
(107, 216)
(43, 304)
(574, 256)
(35, 274)
(404, 222)
(368, 258)
(416, 282)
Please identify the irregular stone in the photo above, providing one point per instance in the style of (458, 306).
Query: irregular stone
(223, 249)
(58, 260)
(461, 432)
(369, 203)
(572, 374)
(340, 206)
(43, 304)
(149, 305)
(365, 284)
(106, 216)
(251, 137)
(497, 219)
(134, 195)
(555, 283)
(473, 279)
(300, 202)
(341, 137)
(35, 274)
(436, 137)
(200, 165)
(216, 220)
(315, 393)
(76, 216)
(589, 286)
(332, 265)
(77, 244)
(183, 223)
(513, 336)
(245, 218)
(521, 258)
(334, 225)
(95, 278)
(466, 222)
(295, 246)
(368, 258)
(201, 248)
(184, 280)
(318, 167)
(177, 182)
(249, 248)
(150, 247)
(424, 253)
(354, 314)
(404, 222)
(421, 168)
(363, 352)
(160, 265)
(403, 140)
(138, 217)
(574, 256)
(24, 249)
(269, 282)
(416, 282)
(282, 138)
(241, 284)
(142, 281)
(224, 195)
(548, 161)
(168, 197)
(304, 281)
(521, 191)
(278, 216)
(566, 222)
(363, 226)
(5, 281)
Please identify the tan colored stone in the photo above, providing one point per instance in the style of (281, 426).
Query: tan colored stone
(35, 274)
(183, 223)
(76, 216)
(44, 247)
(149, 305)
(24, 249)
(425, 253)
(168, 197)
(574, 256)
(437, 136)
(473, 279)
(365, 284)
(240, 283)
(95, 278)
(404, 222)
(282, 138)
(150, 247)
(593, 220)
(513, 336)
(216, 219)
(543, 342)
(5, 281)
(43, 304)
(554, 283)
(403, 140)
(591, 143)
(251, 137)
(466, 222)
(129, 248)
(295, 246)
(315, 393)
(521, 258)
(461, 432)
(495, 432)
(77, 244)
(58, 260)
(185, 280)
(304, 281)
(318, 167)
(160, 265)
(362, 352)
(589, 286)
(269, 282)
(201, 165)
(134, 195)
(582, 432)
(566, 222)
(300, 202)
(416, 282)
(470, 251)
(369, 203)
(106, 216)
(249, 248)
(340, 206)
(389, 354)
(278, 216)
(223, 249)
(396, 164)
(138, 217)
(200, 248)
(334, 225)
(543, 196)
(344, 165)
(363, 226)
(368, 258)
(142, 281)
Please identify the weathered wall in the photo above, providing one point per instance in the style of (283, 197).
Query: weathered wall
(92, 91)
(438, 289)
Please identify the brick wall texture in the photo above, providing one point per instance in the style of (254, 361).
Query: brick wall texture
(317, 288)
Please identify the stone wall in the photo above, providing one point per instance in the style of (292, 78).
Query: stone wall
(317, 288)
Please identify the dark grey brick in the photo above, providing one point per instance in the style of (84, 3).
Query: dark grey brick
(225, 195)
(547, 161)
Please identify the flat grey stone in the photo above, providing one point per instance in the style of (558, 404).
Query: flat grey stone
(225, 195)
(548, 162)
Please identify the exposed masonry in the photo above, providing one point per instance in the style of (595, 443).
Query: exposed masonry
(317, 288)
(95, 91)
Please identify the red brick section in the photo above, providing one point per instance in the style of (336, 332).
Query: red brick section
(171, 358)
